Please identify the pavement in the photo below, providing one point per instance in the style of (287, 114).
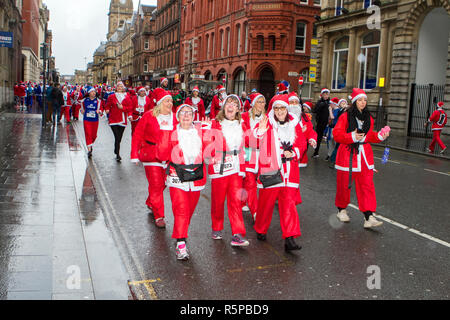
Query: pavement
(54, 242)
(59, 210)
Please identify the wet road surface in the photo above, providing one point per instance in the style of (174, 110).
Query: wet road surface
(336, 259)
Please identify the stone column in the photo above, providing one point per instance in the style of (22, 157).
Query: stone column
(324, 76)
(383, 50)
(352, 63)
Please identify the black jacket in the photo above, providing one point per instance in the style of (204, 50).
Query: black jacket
(321, 111)
(57, 96)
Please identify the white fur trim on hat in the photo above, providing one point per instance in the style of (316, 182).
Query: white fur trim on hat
(161, 100)
(183, 106)
(361, 95)
(283, 103)
(256, 99)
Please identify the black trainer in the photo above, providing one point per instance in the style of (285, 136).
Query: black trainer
(261, 237)
(290, 245)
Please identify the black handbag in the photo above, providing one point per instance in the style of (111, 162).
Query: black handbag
(189, 173)
(269, 180)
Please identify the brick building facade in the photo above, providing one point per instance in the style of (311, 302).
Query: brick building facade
(252, 43)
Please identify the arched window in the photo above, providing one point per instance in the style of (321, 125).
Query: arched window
(246, 38)
(222, 43)
(238, 37)
(368, 59)
(272, 42)
(239, 82)
(340, 57)
(228, 41)
(260, 40)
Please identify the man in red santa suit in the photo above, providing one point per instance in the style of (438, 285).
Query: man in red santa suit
(354, 132)
(150, 145)
(65, 109)
(141, 104)
(439, 120)
(76, 98)
(251, 119)
(198, 104)
(186, 174)
(117, 107)
(217, 101)
(226, 168)
(282, 144)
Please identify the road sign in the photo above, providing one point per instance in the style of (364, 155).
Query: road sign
(301, 81)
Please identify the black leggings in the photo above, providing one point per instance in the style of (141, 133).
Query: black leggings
(118, 134)
(320, 129)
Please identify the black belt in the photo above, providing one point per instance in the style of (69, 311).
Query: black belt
(234, 153)
(150, 143)
(284, 160)
(353, 148)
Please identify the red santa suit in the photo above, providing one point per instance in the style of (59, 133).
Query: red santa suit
(250, 196)
(141, 105)
(310, 137)
(272, 160)
(186, 149)
(439, 120)
(76, 98)
(65, 109)
(362, 164)
(217, 102)
(199, 107)
(226, 168)
(150, 145)
(118, 116)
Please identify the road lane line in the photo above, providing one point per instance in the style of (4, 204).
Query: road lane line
(399, 225)
(446, 174)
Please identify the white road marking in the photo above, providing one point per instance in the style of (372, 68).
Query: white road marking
(446, 174)
(417, 232)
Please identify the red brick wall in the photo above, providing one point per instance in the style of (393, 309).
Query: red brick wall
(30, 12)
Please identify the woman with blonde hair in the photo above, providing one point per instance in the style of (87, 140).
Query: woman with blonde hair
(150, 145)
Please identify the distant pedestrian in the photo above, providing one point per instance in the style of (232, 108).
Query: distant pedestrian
(141, 104)
(439, 119)
(91, 110)
(49, 100)
(197, 103)
(343, 106)
(354, 161)
(58, 101)
(65, 109)
(322, 116)
(117, 107)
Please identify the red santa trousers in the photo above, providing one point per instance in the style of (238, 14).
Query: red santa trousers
(90, 132)
(65, 111)
(436, 139)
(156, 177)
(229, 187)
(183, 207)
(76, 111)
(364, 187)
(250, 194)
(288, 198)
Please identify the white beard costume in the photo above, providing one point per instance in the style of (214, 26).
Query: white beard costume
(232, 131)
(286, 132)
(295, 109)
(190, 144)
(120, 96)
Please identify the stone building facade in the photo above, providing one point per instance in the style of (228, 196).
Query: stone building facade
(361, 42)
(250, 44)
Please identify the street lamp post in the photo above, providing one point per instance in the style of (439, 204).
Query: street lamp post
(44, 89)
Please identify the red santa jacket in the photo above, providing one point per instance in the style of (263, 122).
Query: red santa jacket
(76, 98)
(345, 139)
(439, 119)
(271, 158)
(177, 157)
(310, 134)
(139, 110)
(199, 106)
(216, 106)
(21, 91)
(251, 143)
(67, 99)
(150, 142)
(118, 116)
(222, 161)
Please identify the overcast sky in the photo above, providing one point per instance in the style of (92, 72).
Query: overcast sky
(78, 27)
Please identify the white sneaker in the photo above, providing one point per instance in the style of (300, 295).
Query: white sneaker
(245, 208)
(181, 251)
(343, 216)
(372, 223)
(443, 150)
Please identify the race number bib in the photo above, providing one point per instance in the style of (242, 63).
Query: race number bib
(91, 114)
(229, 164)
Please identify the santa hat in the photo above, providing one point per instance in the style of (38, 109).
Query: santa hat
(120, 83)
(138, 89)
(282, 87)
(324, 90)
(220, 88)
(89, 89)
(195, 89)
(308, 105)
(281, 99)
(440, 104)
(254, 97)
(164, 79)
(183, 106)
(335, 101)
(160, 95)
(356, 94)
(241, 106)
(293, 96)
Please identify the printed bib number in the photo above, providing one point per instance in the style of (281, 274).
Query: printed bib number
(228, 165)
(91, 114)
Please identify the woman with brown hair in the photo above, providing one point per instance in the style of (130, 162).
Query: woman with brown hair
(150, 145)
(226, 167)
